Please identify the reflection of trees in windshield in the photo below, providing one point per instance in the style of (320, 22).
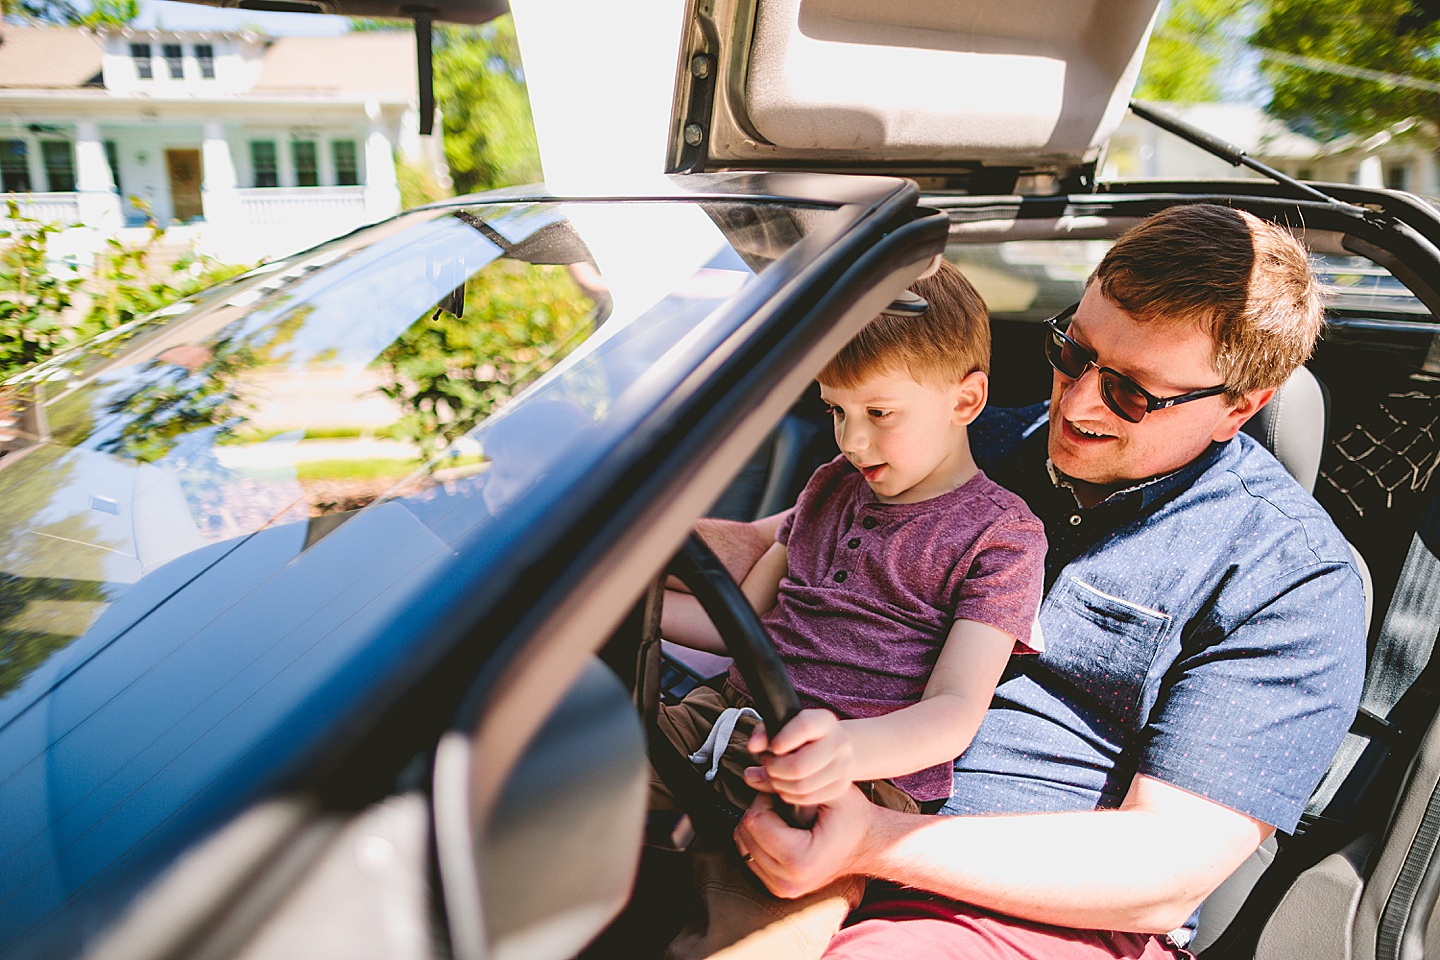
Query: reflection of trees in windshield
(42, 612)
(448, 374)
(189, 388)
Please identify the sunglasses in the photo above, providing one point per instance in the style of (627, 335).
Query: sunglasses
(1126, 398)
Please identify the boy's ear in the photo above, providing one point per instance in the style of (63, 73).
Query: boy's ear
(970, 396)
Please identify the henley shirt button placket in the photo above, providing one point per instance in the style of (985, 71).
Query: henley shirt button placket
(854, 543)
(840, 576)
(869, 523)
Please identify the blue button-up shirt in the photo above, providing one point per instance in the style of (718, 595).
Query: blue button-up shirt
(1205, 628)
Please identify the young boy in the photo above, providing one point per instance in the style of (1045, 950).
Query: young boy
(895, 593)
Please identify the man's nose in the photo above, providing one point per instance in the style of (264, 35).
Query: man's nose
(1081, 400)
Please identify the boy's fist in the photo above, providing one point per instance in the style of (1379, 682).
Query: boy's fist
(809, 761)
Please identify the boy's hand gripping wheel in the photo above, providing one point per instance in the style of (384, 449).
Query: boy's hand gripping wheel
(775, 698)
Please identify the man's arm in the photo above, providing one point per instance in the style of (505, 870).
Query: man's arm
(1144, 867)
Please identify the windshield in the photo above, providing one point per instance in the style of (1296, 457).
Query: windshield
(446, 359)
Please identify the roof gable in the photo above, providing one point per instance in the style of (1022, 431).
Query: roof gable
(49, 57)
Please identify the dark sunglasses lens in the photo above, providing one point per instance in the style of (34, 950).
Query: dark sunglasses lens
(1063, 356)
(1123, 397)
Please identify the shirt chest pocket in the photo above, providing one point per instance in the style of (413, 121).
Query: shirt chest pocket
(1103, 646)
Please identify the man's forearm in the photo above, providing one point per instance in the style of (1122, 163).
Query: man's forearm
(1129, 869)
(1142, 868)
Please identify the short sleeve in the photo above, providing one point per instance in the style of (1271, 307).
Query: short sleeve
(1005, 580)
(1257, 704)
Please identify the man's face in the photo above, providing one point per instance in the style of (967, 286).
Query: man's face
(1090, 443)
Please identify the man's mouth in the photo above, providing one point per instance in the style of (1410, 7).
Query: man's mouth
(1086, 433)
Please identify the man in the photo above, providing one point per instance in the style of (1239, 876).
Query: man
(1203, 627)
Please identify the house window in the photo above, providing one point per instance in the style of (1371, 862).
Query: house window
(205, 57)
(175, 58)
(347, 169)
(112, 157)
(262, 163)
(307, 169)
(59, 165)
(14, 166)
(1397, 177)
(140, 53)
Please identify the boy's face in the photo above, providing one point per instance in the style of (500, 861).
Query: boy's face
(1089, 443)
(906, 437)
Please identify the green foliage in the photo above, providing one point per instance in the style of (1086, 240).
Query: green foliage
(102, 13)
(37, 308)
(489, 132)
(32, 300)
(1374, 35)
(449, 374)
(130, 282)
(417, 185)
(1183, 57)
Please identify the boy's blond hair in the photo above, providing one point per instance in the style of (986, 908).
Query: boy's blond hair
(942, 347)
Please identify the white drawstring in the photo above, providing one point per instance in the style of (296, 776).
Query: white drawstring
(714, 746)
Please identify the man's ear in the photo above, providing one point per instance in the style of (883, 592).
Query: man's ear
(971, 395)
(1246, 407)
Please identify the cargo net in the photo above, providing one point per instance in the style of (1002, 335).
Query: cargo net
(1395, 453)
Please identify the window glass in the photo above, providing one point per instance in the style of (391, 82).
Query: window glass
(59, 165)
(14, 166)
(347, 170)
(307, 168)
(112, 157)
(140, 53)
(175, 60)
(263, 166)
(310, 388)
(205, 57)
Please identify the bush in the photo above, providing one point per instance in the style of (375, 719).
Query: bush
(38, 310)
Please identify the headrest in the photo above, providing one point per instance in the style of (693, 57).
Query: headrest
(1294, 426)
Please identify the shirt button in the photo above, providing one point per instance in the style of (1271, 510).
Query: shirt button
(869, 523)
(854, 542)
(840, 576)
(1074, 519)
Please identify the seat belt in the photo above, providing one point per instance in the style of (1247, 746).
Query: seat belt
(1402, 651)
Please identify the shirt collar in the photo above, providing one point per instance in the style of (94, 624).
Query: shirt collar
(1147, 491)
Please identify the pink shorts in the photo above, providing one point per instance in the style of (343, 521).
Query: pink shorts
(894, 923)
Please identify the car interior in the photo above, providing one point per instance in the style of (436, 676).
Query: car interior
(539, 863)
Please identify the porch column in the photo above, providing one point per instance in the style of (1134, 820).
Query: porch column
(219, 197)
(95, 197)
(382, 192)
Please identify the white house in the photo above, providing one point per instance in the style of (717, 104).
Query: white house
(254, 145)
(1402, 157)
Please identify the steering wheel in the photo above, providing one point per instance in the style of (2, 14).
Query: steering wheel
(775, 698)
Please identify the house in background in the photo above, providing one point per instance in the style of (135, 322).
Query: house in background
(1403, 157)
(251, 146)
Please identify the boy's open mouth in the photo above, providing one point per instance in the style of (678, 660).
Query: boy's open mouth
(870, 473)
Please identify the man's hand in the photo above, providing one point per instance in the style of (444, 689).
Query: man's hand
(792, 862)
(810, 762)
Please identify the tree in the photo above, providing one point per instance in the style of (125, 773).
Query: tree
(1187, 50)
(113, 13)
(480, 87)
(479, 83)
(1351, 66)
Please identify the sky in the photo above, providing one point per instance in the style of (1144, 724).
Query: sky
(175, 15)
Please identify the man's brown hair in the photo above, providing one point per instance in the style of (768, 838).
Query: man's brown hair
(950, 341)
(1245, 281)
